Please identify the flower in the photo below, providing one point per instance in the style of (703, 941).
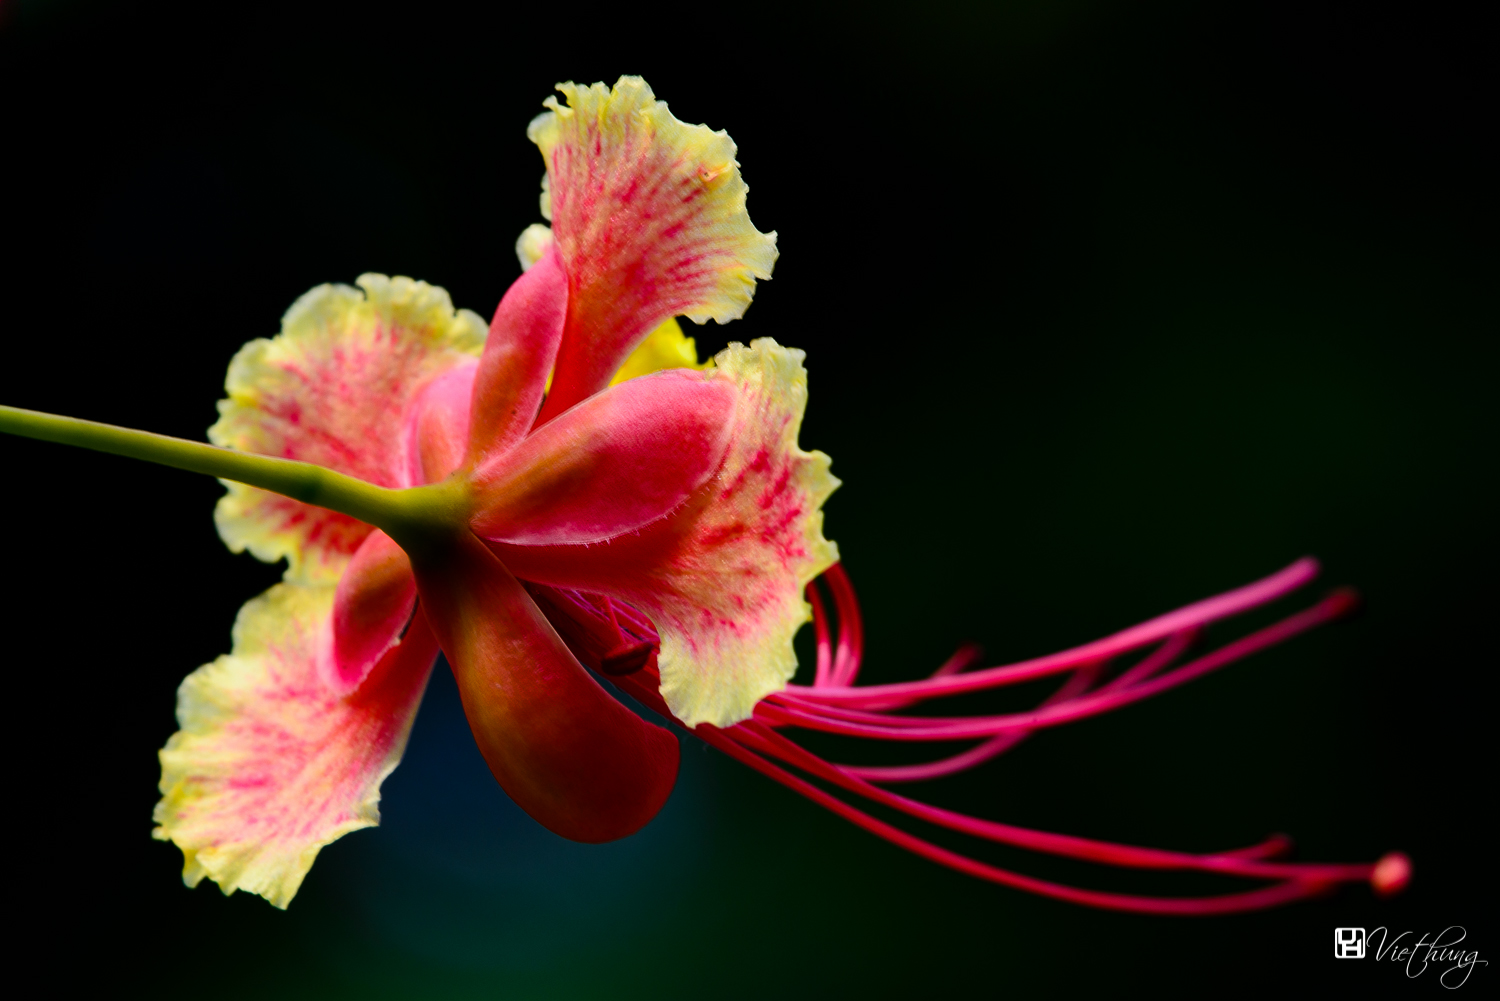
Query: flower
(679, 491)
(569, 489)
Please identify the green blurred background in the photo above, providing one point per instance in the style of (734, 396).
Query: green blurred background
(1107, 306)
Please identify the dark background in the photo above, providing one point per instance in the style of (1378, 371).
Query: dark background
(1108, 306)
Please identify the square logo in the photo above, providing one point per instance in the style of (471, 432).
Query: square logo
(1349, 943)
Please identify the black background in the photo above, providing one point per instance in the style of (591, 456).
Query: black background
(1107, 307)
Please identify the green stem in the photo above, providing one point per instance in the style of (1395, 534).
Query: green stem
(407, 515)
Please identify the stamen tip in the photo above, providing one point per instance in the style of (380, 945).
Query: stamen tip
(1344, 603)
(1391, 874)
(1279, 845)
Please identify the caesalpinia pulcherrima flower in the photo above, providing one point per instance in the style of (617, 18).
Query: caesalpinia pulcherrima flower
(569, 488)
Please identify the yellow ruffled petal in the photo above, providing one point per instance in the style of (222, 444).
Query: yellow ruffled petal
(665, 347)
(333, 388)
(722, 577)
(649, 216)
(628, 119)
(272, 763)
(737, 581)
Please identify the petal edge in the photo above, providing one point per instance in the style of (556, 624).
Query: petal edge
(332, 388)
(722, 578)
(649, 215)
(270, 764)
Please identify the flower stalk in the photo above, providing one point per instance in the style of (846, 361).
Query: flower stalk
(409, 515)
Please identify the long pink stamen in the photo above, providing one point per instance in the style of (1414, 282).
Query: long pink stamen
(756, 743)
(851, 627)
(795, 710)
(1194, 615)
(1078, 682)
(768, 742)
(823, 675)
(1276, 846)
(963, 658)
(1271, 896)
(1160, 659)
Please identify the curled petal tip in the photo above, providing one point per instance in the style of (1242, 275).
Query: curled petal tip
(1391, 874)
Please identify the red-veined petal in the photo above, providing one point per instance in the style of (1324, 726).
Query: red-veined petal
(334, 388)
(649, 216)
(722, 577)
(273, 762)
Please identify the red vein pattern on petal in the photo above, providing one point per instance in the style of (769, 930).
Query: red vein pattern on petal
(334, 388)
(649, 216)
(722, 578)
(271, 763)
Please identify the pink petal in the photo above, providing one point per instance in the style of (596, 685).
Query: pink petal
(372, 605)
(272, 761)
(334, 388)
(616, 462)
(649, 215)
(437, 425)
(570, 755)
(522, 347)
(722, 577)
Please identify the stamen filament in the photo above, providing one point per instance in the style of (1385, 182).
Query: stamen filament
(1270, 896)
(767, 741)
(823, 675)
(963, 658)
(1078, 682)
(1197, 614)
(755, 743)
(852, 628)
(794, 709)
(1276, 846)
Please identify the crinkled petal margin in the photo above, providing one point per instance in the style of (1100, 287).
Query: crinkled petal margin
(736, 597)
(333, 388)
(722, 578)
(649, 215)
(271, 763)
